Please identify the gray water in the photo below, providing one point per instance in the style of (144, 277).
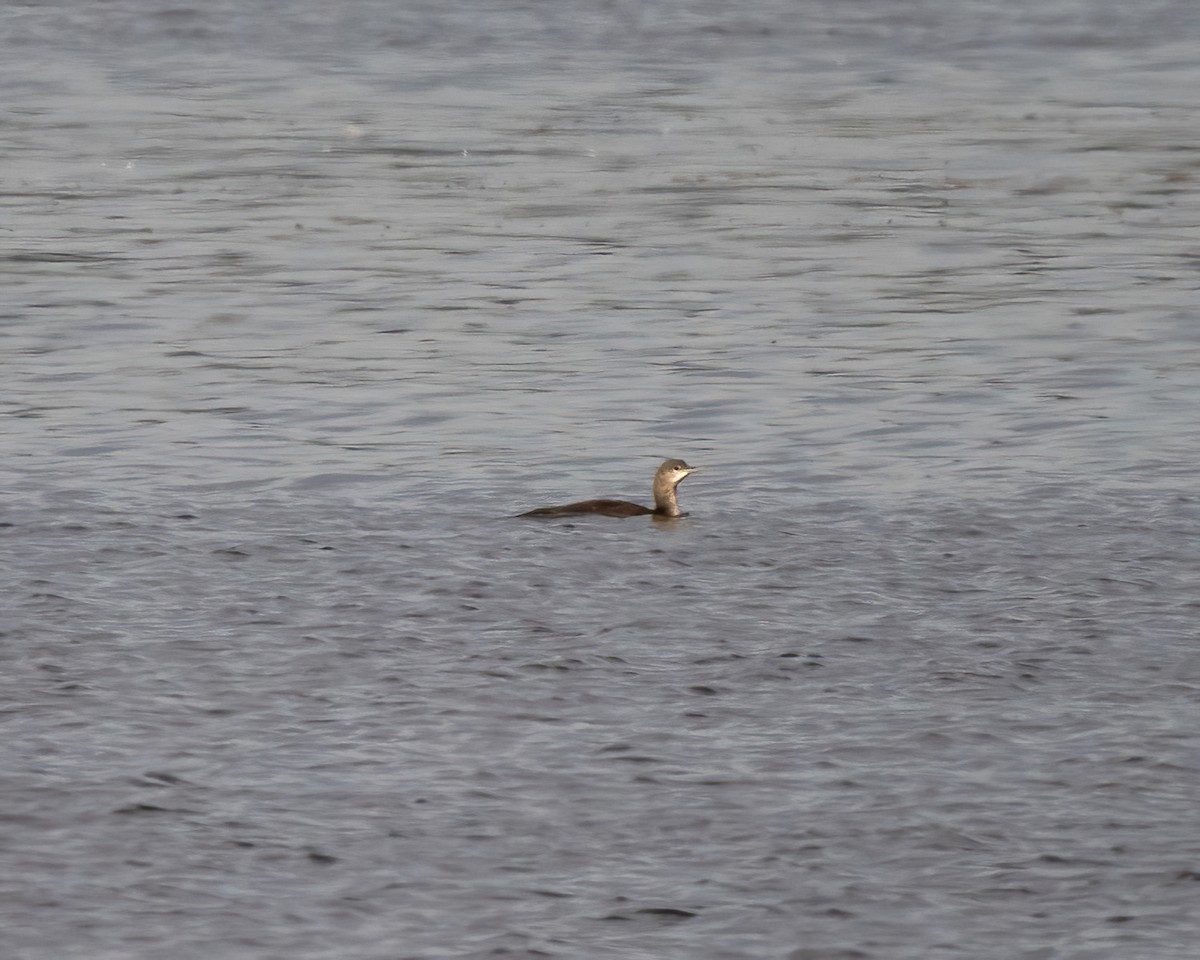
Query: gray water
(303, 301)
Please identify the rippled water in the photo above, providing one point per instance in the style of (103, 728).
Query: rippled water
(303, 303)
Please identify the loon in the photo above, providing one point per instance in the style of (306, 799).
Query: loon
(666, 479)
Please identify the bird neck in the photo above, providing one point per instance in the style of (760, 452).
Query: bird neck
(664, 498)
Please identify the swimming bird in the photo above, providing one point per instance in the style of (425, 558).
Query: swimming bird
(666, 479)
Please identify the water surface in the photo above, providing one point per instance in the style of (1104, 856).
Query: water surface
(302, 304)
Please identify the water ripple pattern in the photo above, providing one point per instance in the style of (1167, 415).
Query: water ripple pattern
(304, 302)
